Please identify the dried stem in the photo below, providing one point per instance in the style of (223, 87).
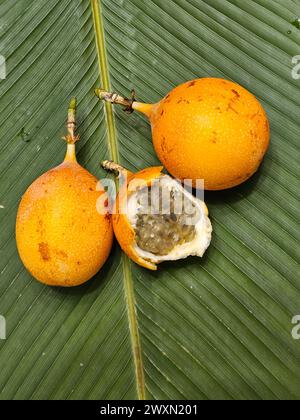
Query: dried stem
(71, 138)
(113, 167)
(115, 98)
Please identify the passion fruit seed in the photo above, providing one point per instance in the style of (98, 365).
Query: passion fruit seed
(165, 219)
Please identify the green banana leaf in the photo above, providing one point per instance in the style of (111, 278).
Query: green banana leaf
(213, 328)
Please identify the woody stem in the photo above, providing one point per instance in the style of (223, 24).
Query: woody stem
(113, 167)
(115, 98)
(71, 138)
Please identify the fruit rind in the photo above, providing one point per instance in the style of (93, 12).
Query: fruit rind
(123, 230)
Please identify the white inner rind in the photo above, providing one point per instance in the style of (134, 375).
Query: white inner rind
(203, 228)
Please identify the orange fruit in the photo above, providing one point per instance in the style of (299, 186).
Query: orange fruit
(210, 129)
(151, 238)
(62, 239)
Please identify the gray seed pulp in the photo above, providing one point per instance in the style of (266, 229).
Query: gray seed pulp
(172, 224)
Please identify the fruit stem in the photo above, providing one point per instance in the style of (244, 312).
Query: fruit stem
(115, 98)
(129, 104)
(113, 167)
(71, 138)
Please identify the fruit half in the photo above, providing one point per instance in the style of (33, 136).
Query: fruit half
(155, 219)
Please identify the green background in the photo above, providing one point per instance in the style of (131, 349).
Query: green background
(212, 328)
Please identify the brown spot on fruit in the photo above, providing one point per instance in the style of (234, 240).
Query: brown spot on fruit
(191, 84)
(230, 107)
(215, 137)
(163, 144)
(167, 99)
(40, 227)
(254, 116)
(44, 251)
(162, 113)
(267, 125)
(185, 101)
(61, 254)
(91, 189)
(236, 93)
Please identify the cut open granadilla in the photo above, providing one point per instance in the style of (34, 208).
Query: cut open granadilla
(156, 219)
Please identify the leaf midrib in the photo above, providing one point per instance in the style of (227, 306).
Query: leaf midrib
(114, 152)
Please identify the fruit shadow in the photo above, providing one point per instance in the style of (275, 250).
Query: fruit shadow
(175, 266)
(233, 195)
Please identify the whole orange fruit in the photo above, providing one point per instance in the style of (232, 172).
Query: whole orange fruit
(62, 239)
(210, 129)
